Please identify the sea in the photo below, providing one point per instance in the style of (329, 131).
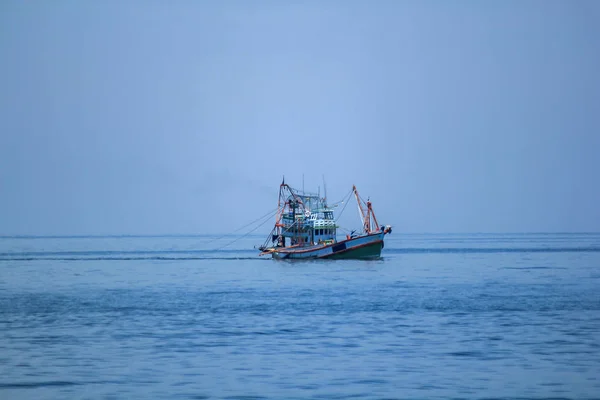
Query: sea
(439, 316)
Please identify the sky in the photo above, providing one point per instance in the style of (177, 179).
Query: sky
(182, 117)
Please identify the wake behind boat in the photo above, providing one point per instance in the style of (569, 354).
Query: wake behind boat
(305, 228)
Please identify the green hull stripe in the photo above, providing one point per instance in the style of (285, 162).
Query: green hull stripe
(369, 251)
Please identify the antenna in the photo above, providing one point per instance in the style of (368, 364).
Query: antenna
(325, 191)
(303, 185)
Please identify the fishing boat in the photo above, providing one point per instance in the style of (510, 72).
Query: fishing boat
(305, 228)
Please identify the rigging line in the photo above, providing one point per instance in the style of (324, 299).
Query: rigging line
(343, 208)
(346, 229)
(342, 200)
(269, 214)
(244, 235)
(269, 237)
(282, 231)
(290, 227)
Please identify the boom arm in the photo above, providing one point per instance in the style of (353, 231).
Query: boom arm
(366, 213)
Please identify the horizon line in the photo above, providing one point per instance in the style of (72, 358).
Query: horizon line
(181, 235)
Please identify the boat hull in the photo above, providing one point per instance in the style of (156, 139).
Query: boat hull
(367, 252)
(362, 247)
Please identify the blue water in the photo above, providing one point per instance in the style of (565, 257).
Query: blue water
(439, 316)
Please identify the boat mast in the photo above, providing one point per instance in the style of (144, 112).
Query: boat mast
(324, 192)
(281, 203)
(361, 212)
(365, 213)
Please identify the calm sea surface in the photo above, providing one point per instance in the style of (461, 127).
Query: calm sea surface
(439, 316)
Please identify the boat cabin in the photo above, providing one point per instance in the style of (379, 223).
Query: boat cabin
(307, 227)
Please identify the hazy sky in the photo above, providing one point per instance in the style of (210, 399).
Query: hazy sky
(182, 116)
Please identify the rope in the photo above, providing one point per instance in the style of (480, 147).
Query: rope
(345, 204)
(342, 200)
(269, 214)
(247, 233)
